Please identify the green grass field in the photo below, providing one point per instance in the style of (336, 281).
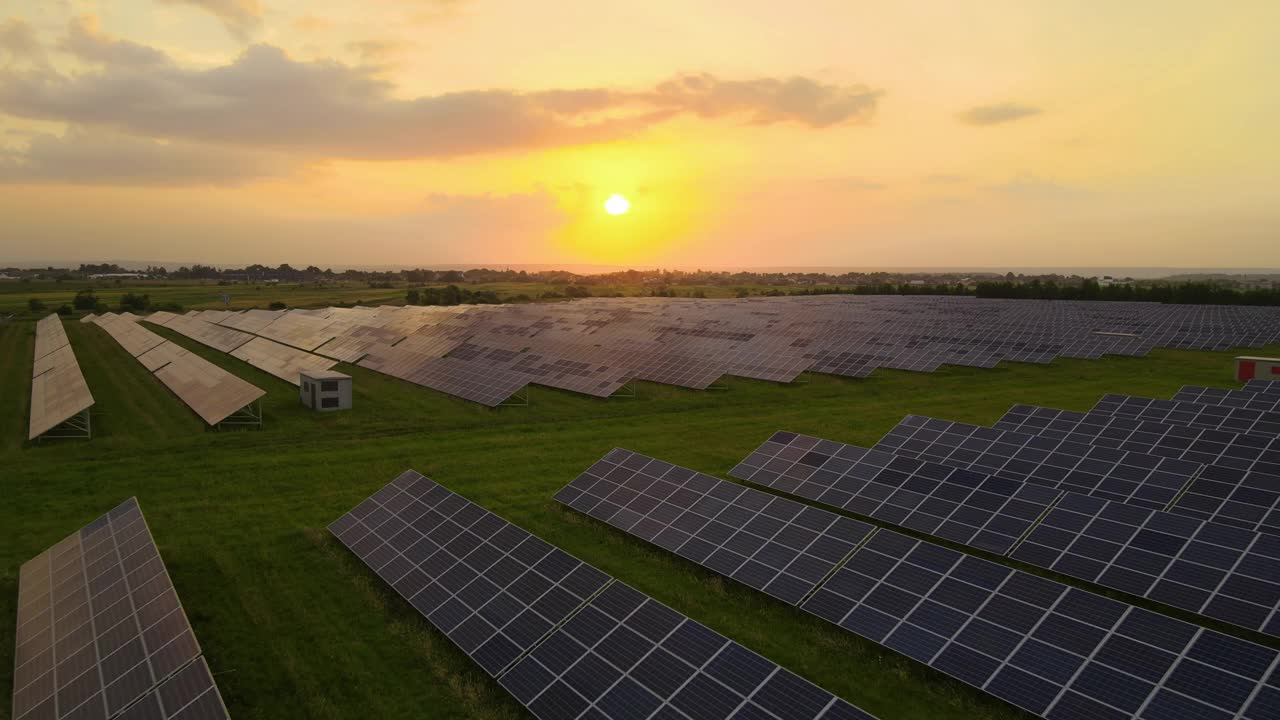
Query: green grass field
(295, 627)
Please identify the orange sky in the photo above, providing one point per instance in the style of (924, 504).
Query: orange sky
(745, 133)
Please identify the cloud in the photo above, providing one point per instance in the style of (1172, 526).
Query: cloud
(768, 100)
(86, 41)
(377, 51)
(944, 179)
(18, 41)
(266, 99)
(241, 17)
(93, 158)
(998, 113)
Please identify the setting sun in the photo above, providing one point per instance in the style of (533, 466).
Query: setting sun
(616, 205)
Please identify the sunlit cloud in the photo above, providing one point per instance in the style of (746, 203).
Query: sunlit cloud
(242, 18)
(325, 108)
(86, 41)
(102, 158)
(998, 113)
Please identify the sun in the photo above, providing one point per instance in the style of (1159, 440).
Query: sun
(616, 205)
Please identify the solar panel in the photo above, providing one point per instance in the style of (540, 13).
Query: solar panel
(1263, 386)
(561, 636)
(1055, 651)
(1221, 572)
(625, 655)
(769, 543)
(1242, 499)
(1215, 570)
(1129, 477)
(1201, 445)
(100, 626)
(190, 694)
(222, 339)
(1242, 420)
(491, 587)
(213, 393)
(958, 505)
(281, 361)
(131, 336)
(59, 393)
(1253, 400)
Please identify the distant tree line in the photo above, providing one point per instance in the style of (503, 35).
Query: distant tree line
(1186, 293)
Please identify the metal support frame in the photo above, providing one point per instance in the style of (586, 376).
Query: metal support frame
(76, 427)
(519, 399)
(629, 390)
(720, 388)
(248, 416)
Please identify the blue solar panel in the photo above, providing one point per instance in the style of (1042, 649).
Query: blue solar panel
(1055, 651)
(565, 639)
(1219, 571)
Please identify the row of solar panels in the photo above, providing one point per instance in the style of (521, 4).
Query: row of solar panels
(101, 633)
(214, 394)
(60, 397)
(488, 353)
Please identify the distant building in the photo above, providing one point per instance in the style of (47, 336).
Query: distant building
(1258, 284)
(1108, 281)
(121, 276)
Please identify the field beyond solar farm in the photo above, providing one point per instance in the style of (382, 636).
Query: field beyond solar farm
(294, 626)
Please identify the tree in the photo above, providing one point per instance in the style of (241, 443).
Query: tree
(64, 309)
(35, 305)
(139, 303)
(277, 305)
(413, 297)
(85, 300)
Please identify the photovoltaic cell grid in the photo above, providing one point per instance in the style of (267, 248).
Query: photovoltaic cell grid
(1240, 489)
(1252, 400)
(1221, 495)
(1059, 652)
(1263, 386)
(1135, 478)
(769, 543)
(492, 588)
(1219, 571)
(1201, 445)
(625, 655)
(958, 505)
(503, 596)
(100, 626)
(1216, 417)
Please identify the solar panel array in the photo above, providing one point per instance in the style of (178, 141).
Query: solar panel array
(1265, 423)
(213, 393)
(1053, 650)
(1132, 477)
(1238, 485)
(772, 544)
(58, 390)
(1200, 445)
(1218, 571)
(1252, 400)
(594, 346)
(101, 632)
(567, 640)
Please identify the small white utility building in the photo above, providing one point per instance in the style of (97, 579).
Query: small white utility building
(325, 390)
